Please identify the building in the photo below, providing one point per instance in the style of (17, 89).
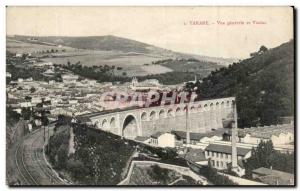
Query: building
(279, 134)
(49, 72)
(8, 75)
(220, 156)
(199, 139)
(273, 177)
(196, 156)
(68, 78)
(143, 139)
(161, 139)
(147, 85)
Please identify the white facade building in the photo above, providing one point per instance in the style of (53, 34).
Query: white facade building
(160, 139)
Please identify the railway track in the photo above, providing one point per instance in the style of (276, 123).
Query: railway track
(31, 164)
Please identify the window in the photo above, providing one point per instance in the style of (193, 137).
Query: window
(217, 163)
(213, 162)
(221, 164)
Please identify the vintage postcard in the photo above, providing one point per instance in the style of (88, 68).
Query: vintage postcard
(150, 96)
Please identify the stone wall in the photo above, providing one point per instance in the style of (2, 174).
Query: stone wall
(202, 116)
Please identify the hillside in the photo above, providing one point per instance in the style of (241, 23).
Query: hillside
(128, 57)
(114, 43)
(263, 85)
(101, 43)
(99, 153)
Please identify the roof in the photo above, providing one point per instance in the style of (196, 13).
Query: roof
(198, 136)
(226, 149)
(141, 138)
(195, 155)
(240, 133)
(193, 136)
(266, 132)
(83, 119)
(156, 135)
(274, 177)
(267, 171)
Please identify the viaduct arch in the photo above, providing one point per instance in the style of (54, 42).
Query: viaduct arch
(203, 116)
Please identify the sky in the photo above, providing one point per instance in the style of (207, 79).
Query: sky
(194, 30)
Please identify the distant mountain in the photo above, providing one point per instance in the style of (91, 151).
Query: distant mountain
(114, 43)
(263, 85)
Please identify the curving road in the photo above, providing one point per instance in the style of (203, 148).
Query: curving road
(30, 162)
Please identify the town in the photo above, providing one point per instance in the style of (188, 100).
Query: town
(160, 96)
(204, 133)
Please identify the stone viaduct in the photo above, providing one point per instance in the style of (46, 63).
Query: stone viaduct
(201, 117)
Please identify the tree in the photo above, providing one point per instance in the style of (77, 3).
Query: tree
(77, 169)
(12, 115)
(260, 157)
(263, 49)
(212, 175)
(26, 113)
(62, 156)
(282, 161)
(28, 98)
(32, 89)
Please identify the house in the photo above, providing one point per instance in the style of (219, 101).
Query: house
(143, 139)
(196, 156)
(8, 75)
(199, 140)
(19, 55)
(194, 137)
(68, 78)
(279, 134)
(82, 120)
(49, 72)
(273, 177)
(220, 156)
(161, 139)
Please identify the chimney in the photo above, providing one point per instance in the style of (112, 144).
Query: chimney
(234, 126)
(187, 128)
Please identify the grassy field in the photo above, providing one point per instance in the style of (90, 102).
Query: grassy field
(126, 63)
(133, 64)
(24, 47)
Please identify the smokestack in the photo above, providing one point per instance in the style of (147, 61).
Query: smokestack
(234, 126)
(187, 127)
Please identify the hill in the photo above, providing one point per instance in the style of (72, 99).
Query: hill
(101, 43)
(132, 58)
(263, 85)
(114, 43)
(100, 158)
